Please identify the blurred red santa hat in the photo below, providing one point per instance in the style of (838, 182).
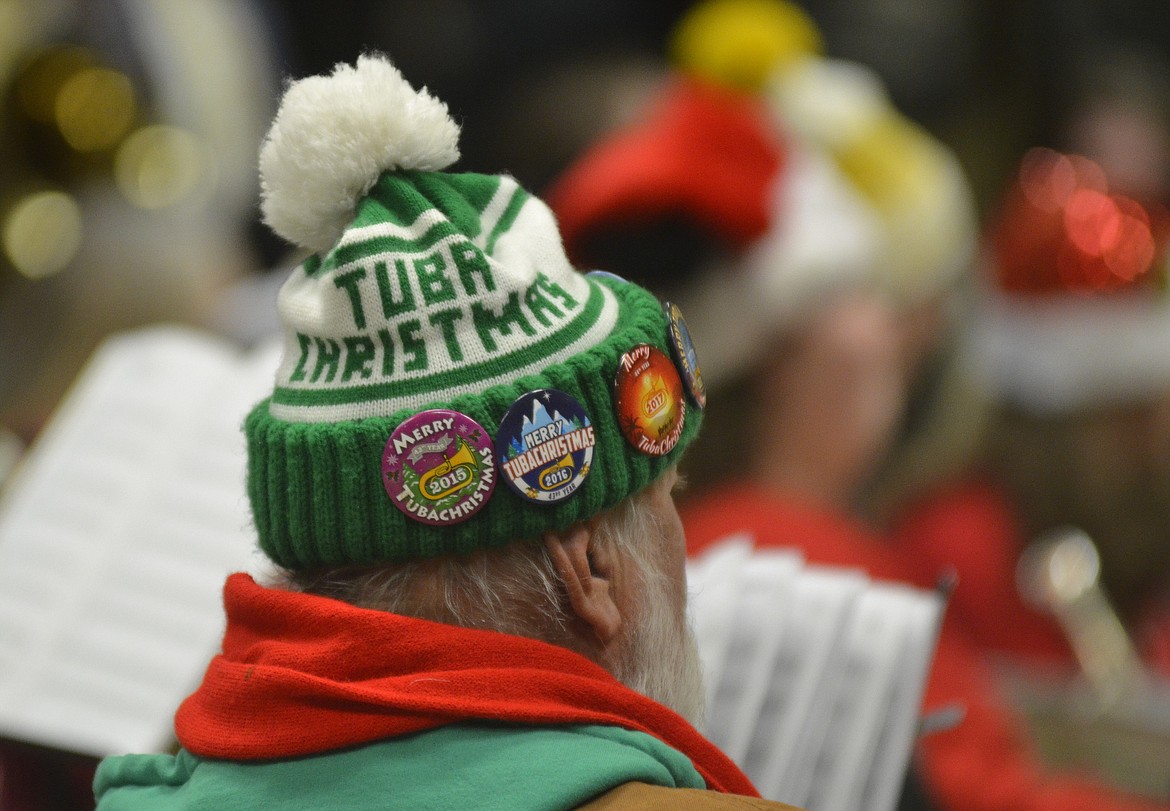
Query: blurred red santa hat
(702, 151)
(1076, 312)
(790, 227)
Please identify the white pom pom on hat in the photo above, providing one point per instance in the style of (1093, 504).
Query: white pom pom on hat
(333, 137)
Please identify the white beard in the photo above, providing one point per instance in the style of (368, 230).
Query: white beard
(661, 658)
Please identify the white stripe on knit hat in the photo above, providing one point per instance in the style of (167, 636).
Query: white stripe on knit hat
(495, 209)
(423, 223)
(432, 216)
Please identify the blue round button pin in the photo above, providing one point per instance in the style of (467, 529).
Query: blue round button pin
(605, 274)
(683, 350)
(544, 447)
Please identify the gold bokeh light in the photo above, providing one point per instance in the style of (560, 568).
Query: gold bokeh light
(45, 75)
(158, 166)
(42, 233)
(94, 108)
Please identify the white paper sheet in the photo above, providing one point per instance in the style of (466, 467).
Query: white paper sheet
(762, 612)
(116, 534)
(819, 674)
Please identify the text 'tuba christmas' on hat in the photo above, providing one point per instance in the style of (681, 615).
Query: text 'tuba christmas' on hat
(449, 382)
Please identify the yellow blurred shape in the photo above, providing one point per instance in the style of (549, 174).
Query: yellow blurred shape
(892, 161)
(739, 43)
(13, 34)
(42, 233)
(158, 166)
(95, 108)
(43, 77)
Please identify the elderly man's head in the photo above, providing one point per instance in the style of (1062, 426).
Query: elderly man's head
(464, 428)
(612, 588)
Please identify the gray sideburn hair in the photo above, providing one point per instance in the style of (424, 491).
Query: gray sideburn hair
(514, 589)
(517, 590)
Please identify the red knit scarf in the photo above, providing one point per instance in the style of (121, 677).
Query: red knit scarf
(301, 674)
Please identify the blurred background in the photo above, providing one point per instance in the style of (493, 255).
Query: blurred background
(129, 131)
(129, 128)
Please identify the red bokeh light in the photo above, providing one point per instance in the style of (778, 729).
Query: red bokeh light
(1061, 230)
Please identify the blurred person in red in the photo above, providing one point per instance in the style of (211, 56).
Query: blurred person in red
(1074, 337)
(702, 197)
(817, 344)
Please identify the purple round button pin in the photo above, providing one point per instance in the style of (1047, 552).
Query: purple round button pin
(439, 467)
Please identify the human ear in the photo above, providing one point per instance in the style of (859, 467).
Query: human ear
(587, 570)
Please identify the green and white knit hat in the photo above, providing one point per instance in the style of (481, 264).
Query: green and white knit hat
(428, 292)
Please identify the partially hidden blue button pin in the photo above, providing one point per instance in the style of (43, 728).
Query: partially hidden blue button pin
(605, 274)
(685, 357)
(544, 447)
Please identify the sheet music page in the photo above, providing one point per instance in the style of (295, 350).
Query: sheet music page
(895, 743)
(794, 715)
(713, 584)
(875, 641)
(767, 583)
(115, 538)
(818, 673)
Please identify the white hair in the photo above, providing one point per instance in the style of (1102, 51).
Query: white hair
(517, 590)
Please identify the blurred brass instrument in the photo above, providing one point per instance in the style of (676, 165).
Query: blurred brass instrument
(1112, 719)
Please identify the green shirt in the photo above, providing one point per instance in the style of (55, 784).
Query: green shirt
(478, 765)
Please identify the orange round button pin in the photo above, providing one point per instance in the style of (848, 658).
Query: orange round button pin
(649, 401)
